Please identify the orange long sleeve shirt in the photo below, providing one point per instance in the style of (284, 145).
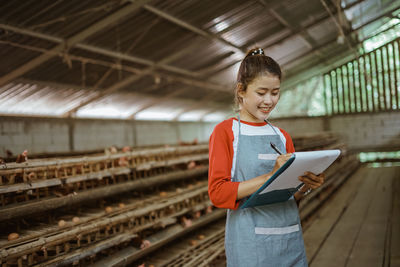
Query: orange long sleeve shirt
(221, 189)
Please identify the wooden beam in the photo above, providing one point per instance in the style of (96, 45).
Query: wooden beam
(339, 26)
(343, 57)
(101, 51)
(117, 86)
(308, 26)
(93, 194)
(297, 30)
(194, 29)
(185, 80)
(308, 40)
(73, 40)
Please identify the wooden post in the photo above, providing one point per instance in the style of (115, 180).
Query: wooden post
(373, 80)
(346, 89)
(359, 84)
(396, 57)
(389, 75)
(383, 80)
(365, 89)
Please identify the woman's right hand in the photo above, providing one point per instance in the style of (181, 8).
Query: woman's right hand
(280, 160)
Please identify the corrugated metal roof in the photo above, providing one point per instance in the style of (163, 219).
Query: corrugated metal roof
(30, 98)
(122, 56)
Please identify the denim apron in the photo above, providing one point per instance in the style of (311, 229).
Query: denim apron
(268, 235)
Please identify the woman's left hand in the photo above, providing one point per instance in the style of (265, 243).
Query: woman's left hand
(311, 180)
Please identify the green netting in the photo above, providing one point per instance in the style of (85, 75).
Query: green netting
(305, 99)
(373, 156)
(386, 33)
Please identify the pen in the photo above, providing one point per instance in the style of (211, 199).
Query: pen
(275, 148)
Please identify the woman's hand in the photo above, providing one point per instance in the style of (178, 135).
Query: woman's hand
(311, 180)
(280, 160)
(248, 187)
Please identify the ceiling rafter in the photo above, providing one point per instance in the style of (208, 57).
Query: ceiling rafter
(119, 85)
(295, 31)
(98, 50)
(170, 77)
(293, 79)
(308, 40)
(123, 56)
(71, 41)
(315, 22)
(339, 26)
(194, 29)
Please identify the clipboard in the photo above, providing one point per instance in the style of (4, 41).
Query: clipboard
(284, 182)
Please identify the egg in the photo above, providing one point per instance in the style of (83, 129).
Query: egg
(61, 223)
(75, 219)
(108, 209)
(121, 205)
(179, 190)
(193, 242)
(13, 236)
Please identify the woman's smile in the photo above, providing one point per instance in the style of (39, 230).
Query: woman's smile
(260, 98)
(265, 109)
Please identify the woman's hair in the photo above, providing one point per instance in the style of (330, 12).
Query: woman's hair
(255, 64)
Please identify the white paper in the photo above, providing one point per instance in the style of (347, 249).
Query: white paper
(312, 161)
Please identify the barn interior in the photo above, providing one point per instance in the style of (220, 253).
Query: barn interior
(107, 106)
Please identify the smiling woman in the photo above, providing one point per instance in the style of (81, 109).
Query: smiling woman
(242, 160)
(260, 98)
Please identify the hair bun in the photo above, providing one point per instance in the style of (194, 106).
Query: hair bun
(255, 51)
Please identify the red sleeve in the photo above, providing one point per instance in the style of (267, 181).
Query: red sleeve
(222, 191)
(289, 142)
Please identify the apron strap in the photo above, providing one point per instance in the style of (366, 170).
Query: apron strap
(237, 145)
(267, 121)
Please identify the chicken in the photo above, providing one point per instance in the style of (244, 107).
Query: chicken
(209, 209)
(30, 177)
(22, 157)
(123, 162)
(110, 150)
(186, 222)
(194, 142)
(145, 244)
(126, 149)
(197, 214)
(191, 165)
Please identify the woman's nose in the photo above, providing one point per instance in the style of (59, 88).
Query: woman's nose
(267, 99)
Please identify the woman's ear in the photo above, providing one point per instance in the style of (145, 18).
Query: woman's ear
(240, 89)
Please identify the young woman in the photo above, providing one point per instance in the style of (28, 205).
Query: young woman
(241, 160)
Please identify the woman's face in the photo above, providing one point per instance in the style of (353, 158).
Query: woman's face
(260, 98)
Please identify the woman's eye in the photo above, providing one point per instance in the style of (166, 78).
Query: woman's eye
(260, 94)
